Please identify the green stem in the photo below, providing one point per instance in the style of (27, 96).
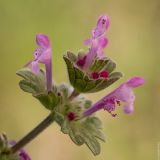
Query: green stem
(73, 95)
(34, 133)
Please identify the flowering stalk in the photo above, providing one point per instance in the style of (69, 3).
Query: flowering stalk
(73, 95)
(88, 73)
(34, 133)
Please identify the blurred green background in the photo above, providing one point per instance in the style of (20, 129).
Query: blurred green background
(134, 44)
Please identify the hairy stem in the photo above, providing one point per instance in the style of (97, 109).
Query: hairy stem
(73, 95)
(33, 133)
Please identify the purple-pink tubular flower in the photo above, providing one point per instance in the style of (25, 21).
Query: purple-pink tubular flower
(98, 40)
(123, 94)
(43, 55)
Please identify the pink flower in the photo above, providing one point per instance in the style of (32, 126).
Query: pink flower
(123, 93)
(98, 41)
(43, 55)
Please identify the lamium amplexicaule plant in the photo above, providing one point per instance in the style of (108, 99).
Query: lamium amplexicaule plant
(89, 72)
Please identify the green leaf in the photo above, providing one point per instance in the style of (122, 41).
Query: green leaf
(71, 71)
(87, 104)
(95, 121)
(99, 64)
(92, 127)
(71, 56)
(36, 84)
(91, 142)
(78, 73)
(76, 138)
(65, 127)
(32, 83)
(59, 118)
(110, 66)
(49, 100)
(90, 85)
(81, 81)
(27, 86)
(80, 84)
(9, 157)
(86, 131)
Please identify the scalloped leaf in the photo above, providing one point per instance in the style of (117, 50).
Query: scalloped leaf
(32, 83)
(71, 56)
(83, 84)
(76, 138)
(91, 142)
(35, 84)
(86, 131)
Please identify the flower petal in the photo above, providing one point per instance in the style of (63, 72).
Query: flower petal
(103, 42)
(102, 25)
(135, 82)
(88, 42)
(42, 40)
(48, 66)
(35, 67)
(103, 22)
(128, 109)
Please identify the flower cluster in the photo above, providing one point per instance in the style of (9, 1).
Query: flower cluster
(88, 72)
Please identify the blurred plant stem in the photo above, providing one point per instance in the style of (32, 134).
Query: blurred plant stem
(73, 95)
(33, 133)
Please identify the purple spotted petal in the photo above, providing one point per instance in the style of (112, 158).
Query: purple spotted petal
(102, 26)
(103, 22)
(42, 40)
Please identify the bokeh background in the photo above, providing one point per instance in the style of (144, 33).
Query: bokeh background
(134, 44)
